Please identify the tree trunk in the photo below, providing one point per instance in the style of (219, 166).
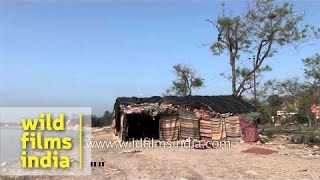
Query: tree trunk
(185, 87)
(254, 84)
(310, 121)
(233, 70)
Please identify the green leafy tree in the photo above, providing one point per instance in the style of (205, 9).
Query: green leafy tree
(311, 93)
(279, 95)
(104, 120)
(306, 100)
(262, 29)
(312, 69)
(107, 118)
(186, 81)
(274, 104)
(287, 87)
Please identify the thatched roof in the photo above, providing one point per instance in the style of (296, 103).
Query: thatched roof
(220, 104)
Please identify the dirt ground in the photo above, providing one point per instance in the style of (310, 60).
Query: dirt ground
(290, 162)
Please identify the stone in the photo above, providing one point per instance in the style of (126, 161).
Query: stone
(281, 147)
(251, 172)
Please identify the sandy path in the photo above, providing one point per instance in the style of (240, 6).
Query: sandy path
(179, 163)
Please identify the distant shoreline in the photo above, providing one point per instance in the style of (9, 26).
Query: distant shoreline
(11, 127)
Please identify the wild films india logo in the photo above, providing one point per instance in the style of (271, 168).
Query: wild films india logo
(46, 141)
(51, 145)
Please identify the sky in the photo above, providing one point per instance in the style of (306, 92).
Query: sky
(81, 53)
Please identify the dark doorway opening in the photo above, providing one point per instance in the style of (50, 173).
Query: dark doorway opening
(142, 126)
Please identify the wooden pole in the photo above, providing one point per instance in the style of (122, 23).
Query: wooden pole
(254, 82)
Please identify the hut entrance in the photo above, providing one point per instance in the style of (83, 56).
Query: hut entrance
(142, 126)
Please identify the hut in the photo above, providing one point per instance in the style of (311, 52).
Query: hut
(174, 118)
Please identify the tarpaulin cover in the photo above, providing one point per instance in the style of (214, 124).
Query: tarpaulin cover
(233, 128)
(256, 150)
(169, 128)
(249, 130)
(189, 125)
(218, 129)
(205, 128)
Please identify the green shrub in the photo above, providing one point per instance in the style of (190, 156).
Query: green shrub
(301, 119)
(265, 117)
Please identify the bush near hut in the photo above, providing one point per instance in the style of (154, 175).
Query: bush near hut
(300, 134)
(104, 120)
(309, 137)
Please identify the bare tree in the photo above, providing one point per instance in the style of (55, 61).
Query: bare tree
(262, 29)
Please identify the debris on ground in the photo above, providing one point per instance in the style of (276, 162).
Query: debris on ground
(131, 151)
(264, 138)
(281, 147)
(251, 172)
(312, 155)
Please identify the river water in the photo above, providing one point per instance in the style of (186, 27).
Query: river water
(10, 146)
(10, 143)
